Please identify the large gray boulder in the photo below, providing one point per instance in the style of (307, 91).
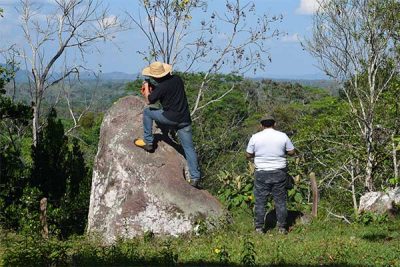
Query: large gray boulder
(134, 191)
(380, 202)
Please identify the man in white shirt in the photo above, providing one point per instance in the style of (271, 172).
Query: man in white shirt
(269, 149)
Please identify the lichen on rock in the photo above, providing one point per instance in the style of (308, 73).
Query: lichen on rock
(134, 191)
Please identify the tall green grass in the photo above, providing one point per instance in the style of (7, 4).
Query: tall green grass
(320, 243)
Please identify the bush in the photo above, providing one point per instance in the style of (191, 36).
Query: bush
(237, 189)
(36, 252)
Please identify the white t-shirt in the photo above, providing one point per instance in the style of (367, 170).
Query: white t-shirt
(269, 148)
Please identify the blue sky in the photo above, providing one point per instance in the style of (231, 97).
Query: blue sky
(289, 60)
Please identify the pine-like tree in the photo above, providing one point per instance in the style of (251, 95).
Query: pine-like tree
(49, 157)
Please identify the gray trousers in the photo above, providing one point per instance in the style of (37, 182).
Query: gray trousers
(266, 183)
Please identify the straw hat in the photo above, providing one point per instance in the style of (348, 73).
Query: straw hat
(157, 70)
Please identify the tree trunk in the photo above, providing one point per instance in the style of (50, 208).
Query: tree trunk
(36, 110)
(368, 174)
(353, 189)
(394, 155)
(35, 124)
(369, 185)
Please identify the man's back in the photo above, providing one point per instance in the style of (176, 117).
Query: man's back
(171, 93)
(269, 148)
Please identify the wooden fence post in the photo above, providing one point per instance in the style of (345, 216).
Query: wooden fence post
(43, 218)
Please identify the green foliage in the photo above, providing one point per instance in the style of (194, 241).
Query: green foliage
(394, 181)
(88, 120)
(321, 243)
(36, 252)
(367, 218)
(202, 228)
(124, 253)
(248, 254)
(148, 236)
(237, 189)
(218, 128)
(58, 173)
(328, 146)
(321, 129)
(222, 129)
(223, 255)
(11, 110)
(169, 257)
(14, 118)
(279, 255)
(74, 207)
(90, 137)
(49, 155)
(297, 198)
(27, 211)
(327, 135)
(134, 86)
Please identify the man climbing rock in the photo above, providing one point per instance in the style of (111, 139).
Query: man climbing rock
(269, 148)
(175, 114)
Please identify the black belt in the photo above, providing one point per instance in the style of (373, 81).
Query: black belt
(182, 125)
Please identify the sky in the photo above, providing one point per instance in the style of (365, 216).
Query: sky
(289, 60)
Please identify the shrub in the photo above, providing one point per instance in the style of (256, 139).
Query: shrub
(36, 252)
(237, 189)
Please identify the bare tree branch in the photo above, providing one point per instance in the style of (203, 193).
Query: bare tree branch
(171, 38)
(71, 25)
(354, 43)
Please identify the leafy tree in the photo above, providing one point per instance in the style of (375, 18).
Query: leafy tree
(356, 44)
(14, 118)
(71, 26)
(48, 173)
(60, 173)
(388, 135)
(75, 204)
(330, 146)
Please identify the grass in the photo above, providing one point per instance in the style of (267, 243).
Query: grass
(321, 243)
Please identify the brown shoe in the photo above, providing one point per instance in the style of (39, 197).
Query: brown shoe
(139, 142)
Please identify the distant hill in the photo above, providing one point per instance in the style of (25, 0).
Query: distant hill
(312, 80)
(309, 76)
(114, 76)
(330, 85)
(22, 76)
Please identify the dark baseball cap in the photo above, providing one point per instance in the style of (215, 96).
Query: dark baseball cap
(268, 117)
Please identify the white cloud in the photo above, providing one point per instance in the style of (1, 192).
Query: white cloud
(294, 38)
(109, 21)
(307, 7)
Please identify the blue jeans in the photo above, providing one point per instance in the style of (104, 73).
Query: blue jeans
(184, 134)
(266, 183)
